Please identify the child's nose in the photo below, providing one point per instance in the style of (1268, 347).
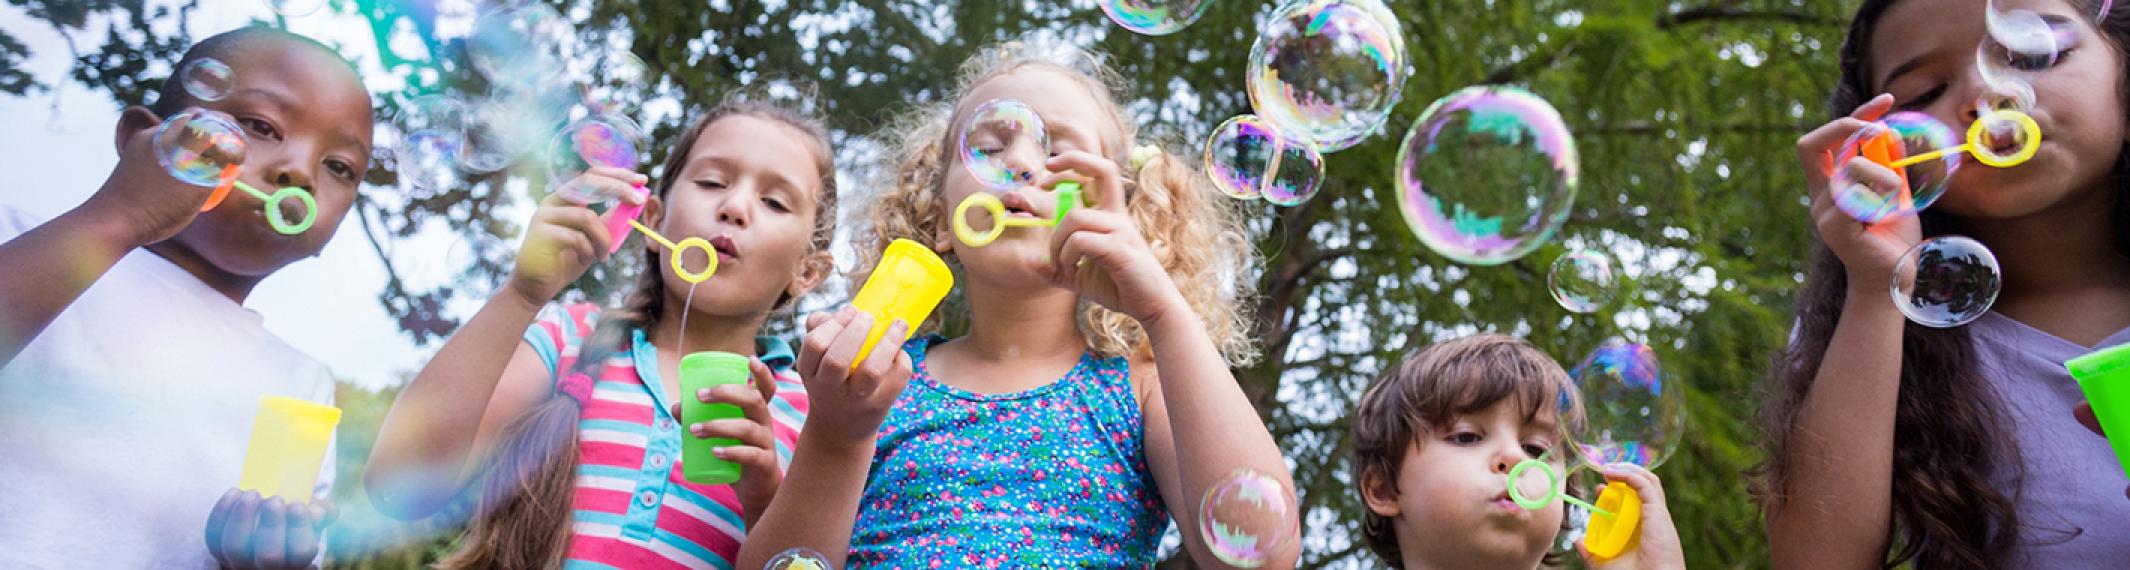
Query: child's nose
(733, 209)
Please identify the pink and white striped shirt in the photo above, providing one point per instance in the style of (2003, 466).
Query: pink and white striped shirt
(632, 508)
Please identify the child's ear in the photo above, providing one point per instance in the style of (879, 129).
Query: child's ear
(1379, 493)
(654, 215)
(134, 120)
(813, 270)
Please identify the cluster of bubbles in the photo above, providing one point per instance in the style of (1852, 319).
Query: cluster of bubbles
(1249, 158)
(1581, 280)
(443, 139)
(1946, 282)
(1630, 413)
(1246, 517)
(1487, 174)
(1323, 75)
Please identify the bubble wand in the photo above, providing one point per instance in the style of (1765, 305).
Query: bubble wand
(679, 268)
(1068, 198)
(1975, 144)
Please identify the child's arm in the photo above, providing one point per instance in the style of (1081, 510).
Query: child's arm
(1199, 425)
(51, 265)
(1835, 508)
(818, 502)
(451, 415)
(1656, 538)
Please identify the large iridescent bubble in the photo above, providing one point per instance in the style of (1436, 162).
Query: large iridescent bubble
(611, 141)
(1328, 71)
(1487, 174)
(200, 147)
(1004, 143)
(1946, 282)
(1249, 158)
(1870, 181)
(1154, 17)
(1247, 517)
(1631, 412)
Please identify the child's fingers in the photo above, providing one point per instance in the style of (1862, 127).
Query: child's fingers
(2084, 413)
(217, 519)
(890, 387)
(821, 332)
(765, 381)
(623, 175)
(879, 364)
(751, 458)
(746, 398)
(302, 534)
(747, 432)
(1644, 482)
(1108, 180)
(237, 534)
(840, 360)
(270, 544)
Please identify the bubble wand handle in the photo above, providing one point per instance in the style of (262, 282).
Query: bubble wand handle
(1928, 156)
(624, 215)
(274, 217)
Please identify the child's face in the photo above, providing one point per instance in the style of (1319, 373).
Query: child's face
(1923, 52)
(750, 186)
(1075, 121)
(307, 123)
(1451, 504)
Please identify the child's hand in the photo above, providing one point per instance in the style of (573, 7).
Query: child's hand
(141, 195)
(1656, 539)
(246, 532)
(2084, 413)
(1098, 252)
(843, 404)
(1867, 251)
(757, 451)
(566, 238)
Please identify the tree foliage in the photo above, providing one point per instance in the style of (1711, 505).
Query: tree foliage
(1685, 113)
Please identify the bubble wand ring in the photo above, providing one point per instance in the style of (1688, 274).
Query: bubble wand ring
(1556, 488)
(1618, 512)
(1068, 198)
(1983, 153)
(273, 206)
(680, 268)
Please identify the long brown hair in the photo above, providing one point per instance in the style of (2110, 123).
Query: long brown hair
(523, 517)
(1948, 423)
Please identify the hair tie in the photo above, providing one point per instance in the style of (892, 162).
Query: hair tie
(1142, 154)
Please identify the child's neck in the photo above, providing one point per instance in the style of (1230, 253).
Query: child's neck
(705, 333)
(1019, 339)
(236, 287)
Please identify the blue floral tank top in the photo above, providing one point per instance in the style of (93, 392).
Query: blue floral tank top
(1050, 477)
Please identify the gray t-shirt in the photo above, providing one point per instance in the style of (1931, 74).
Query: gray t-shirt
(2071, 503)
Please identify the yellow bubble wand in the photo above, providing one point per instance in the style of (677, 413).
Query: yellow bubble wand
(1068, 198)
(680, 268)
(1984, 153)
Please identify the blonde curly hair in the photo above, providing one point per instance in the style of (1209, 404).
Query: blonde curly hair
(1196, 233)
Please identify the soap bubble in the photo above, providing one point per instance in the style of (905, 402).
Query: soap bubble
(506, 127)
(1581, 280)
(207, 79)
(2019, 43)
(1487, 174)
(612, 141)
(1328, 71)
(1247, 158)
(1155, 17)
(520, 45)
(1631, 412)
(801, 558)
(1870, 190)
(1946, 282)
(616, 84)
(1247, 516)
(200, 147)
(295, 8)
(432, 127)
(1004, 143)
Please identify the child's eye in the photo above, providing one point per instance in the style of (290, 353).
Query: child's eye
(340, 169)
(1463, 438)
(710, 184)
(776, 204)
(1536, 450)
(262, 128)
(1921, 101)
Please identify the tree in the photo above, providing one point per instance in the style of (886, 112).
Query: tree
(1684, 114)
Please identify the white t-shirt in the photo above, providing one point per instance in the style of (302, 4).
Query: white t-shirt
(124, 422)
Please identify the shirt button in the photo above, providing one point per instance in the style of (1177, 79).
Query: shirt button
(647, 498)
(658, 461)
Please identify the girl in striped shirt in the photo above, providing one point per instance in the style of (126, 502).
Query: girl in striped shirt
(566, 414)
